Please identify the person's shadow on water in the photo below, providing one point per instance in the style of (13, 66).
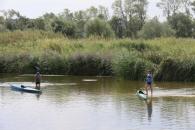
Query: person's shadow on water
(149, 108)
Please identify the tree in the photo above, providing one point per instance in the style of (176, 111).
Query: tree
(10, 14)
(182, 24)
(49, 19)
(92, 12)
(133, 27)
(66, 15)
(118, 9)
(103, 13)
(69, 29)
(169, 7)
(80, 19)
(186, 5)
(118, 26)
(11, 17)
(98, 27)
(119, 12)
(136, 15)
(153, 29)
(58, 26)
(20, 23)
(2, 24)
(129, 8)
(140, 11)
(193, 6)
(39, 23)
(132, 13)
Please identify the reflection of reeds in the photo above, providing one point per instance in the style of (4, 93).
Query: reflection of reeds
(169, 58)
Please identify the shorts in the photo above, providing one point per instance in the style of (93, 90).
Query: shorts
(37, 82)
(149, 83)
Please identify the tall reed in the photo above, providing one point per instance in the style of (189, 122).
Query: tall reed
(170, 59)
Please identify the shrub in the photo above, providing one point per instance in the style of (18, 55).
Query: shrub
(154, 29)
(176, 70)
(130, 66)
(98, 27)
(182, 24)
(89, 64)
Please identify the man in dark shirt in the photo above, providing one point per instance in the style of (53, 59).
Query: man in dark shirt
(38, 80)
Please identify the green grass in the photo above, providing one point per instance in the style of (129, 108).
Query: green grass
(170, 59)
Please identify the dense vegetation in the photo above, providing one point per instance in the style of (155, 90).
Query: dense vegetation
(171, 59)
(90, 42)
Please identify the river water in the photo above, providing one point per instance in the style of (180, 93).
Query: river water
(95, 103)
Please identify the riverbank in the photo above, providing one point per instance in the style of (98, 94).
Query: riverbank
(170, 59)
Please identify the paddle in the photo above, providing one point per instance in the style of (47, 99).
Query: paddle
(37, 68)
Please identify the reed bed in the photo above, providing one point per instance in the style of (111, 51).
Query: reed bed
(170, 59)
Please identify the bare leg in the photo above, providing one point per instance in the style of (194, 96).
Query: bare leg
(146, 87)
(38, 86)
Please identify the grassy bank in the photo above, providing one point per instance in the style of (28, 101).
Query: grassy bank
(170, 59)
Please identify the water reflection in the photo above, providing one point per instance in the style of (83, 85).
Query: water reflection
(149, 108)
(106, 104)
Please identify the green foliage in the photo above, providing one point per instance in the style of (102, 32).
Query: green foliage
(118, 27)
(132, 14)
(130, 66)
(58, 26)
(2, 24)
(53, 63)
(129, 17)
(80, 20)
(66, 28)
(98, 27)
(39, 24)
(17, 37)
(135, 46)
(154, 56)
(17, 63)
(133, 26)
(182, 24)
(176, 70)
(48, 19)
(154, 29)
(69, 29)
(89, 64)
(54, 54)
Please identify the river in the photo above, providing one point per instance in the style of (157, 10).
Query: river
(95, 103)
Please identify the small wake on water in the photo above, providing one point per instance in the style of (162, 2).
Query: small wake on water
(31, 75)
(31, 84)
(184, 92)
(89, 80)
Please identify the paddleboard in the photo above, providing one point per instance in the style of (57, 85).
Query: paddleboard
(141, 95)
(20, 87)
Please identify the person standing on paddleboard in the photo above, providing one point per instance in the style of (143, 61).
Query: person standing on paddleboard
(38, 80)
(149, 80)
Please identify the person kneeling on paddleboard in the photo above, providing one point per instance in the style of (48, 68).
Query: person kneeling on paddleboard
(38, 80)
(149, 80)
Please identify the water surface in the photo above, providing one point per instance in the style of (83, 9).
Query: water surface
(95, 103)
